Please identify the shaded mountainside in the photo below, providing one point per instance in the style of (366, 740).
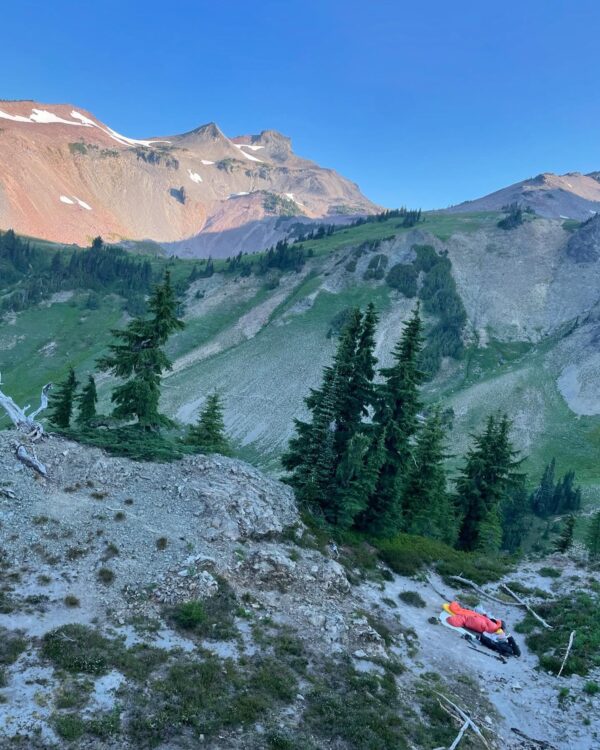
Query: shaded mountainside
(67, 177)
(167, 605)
(569, 196)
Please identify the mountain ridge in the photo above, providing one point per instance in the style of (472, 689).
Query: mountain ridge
(65, 176)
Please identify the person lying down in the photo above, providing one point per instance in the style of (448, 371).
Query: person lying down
(491, 632)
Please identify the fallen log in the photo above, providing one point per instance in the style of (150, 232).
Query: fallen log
(523, 603)
(30, 460)
(466, 718)
(569, 647)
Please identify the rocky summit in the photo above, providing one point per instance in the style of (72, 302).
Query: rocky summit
(66, 176)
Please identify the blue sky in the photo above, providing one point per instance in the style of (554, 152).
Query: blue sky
(423, 104)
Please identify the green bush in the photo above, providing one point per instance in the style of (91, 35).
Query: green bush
(426, 258)
(550, 573)
(211, 618)
(407, 555)
(413, 598)
(82, 649)
(376, 267)
(578, 611)
(403, 277)
(189, 615)
(69, 726)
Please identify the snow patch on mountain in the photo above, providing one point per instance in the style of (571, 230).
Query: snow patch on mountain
(73, 201)
(194, 176)
(240, 146)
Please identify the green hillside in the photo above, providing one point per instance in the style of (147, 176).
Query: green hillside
(262, 338)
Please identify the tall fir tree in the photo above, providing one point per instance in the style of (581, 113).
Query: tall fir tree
(208, 434)
(356, 477)
(398, 405)
(514, 512)
(62, 402)
(138, 358)
(593, 537)
(327, 458)
(87, 401)
(427, 507)
(543, 496)
(490, 472)
(565, 540)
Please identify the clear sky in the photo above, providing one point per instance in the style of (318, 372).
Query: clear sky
(422, 103)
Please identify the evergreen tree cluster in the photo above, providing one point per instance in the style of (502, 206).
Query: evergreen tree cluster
(30, 274)
(440, 298)
(513, 218)
(65, 397)
(368, 459)
(409, 217)
(551, 498)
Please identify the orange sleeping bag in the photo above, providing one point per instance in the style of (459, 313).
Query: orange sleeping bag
(467, 618)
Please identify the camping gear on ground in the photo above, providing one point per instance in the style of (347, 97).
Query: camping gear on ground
(479, 626)
(470, 619)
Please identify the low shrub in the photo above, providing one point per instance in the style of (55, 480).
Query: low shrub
(403, 277)
(550, 573)
(211, 618)
(106, 576)
(578, 611)
(413, 598)
(407, 555)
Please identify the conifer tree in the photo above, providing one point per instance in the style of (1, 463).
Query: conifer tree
(208, 434)
(356, 477)
(310, 457)
(593, 537)
(427, 508)
(514, 511)
(565, 540)
(87, 400)
(362, 384)
(139, 359)
(489, 473)
(542, 498)
(397, 408)
(334, 438)
(62, 401)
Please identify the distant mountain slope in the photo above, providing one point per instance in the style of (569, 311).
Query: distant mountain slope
(66, 177)
(531, 335)
(569, 196)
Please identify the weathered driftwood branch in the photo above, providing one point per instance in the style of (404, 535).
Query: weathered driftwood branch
(30, 459)
(569, 647)
(459, 736)
(27, 424)
(523, 603)
(466, 719)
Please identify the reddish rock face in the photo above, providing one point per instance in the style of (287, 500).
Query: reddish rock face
(67, 177)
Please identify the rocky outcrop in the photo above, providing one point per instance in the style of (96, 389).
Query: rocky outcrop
(584, 244)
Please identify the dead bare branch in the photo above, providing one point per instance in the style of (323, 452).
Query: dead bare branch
(523, 603)
(569, 647)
